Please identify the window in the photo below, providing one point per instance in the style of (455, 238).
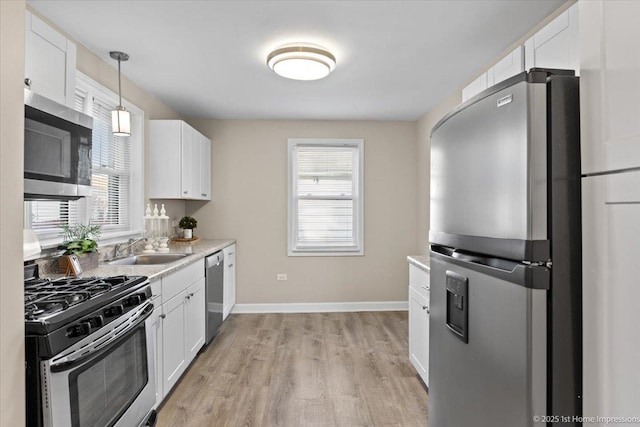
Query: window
(116, 180)
(326, 203)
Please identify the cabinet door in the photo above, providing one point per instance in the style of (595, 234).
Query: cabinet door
(229, 280)
(475, 87)
(188, 153)
(195, 324)
(158, 351)
(508, 66)
(165, 177)
(609, 85)
(205, 168)
(419, 333)
(50, 61)
(557, 45)
(174, 345)
(611, 246)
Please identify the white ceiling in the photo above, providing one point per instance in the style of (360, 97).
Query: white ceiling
(207, 59)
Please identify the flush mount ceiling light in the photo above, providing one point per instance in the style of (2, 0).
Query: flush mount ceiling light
(301, 61)
(120, 117)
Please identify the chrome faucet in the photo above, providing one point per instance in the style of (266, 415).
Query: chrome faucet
(122, 246)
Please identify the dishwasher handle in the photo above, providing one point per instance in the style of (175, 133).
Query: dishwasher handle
(214, 259)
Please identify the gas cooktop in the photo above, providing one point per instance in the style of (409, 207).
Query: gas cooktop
(49, 304)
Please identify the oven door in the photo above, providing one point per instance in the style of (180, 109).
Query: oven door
(108, 379)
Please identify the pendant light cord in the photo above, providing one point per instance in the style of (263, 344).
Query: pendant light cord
(119, 83)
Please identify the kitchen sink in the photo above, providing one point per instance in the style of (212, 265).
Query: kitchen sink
(148, 259)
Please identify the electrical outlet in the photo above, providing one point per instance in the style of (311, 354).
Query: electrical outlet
(281, 276)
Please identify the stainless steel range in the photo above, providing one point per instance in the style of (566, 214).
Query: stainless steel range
(88, 361)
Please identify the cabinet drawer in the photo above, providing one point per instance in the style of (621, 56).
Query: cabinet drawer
(419, 279)
(229, 256)
(178, 281)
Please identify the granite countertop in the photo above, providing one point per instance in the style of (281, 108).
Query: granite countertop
(420, 261)
(199, 250)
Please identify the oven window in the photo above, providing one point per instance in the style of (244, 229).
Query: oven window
(103, 389)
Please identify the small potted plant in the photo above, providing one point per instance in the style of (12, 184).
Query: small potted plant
(187, 224)
(80, 240)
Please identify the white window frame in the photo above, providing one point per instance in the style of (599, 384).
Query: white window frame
(136, 196)
(358, 197)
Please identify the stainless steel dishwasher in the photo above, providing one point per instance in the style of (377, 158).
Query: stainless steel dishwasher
(214, 274)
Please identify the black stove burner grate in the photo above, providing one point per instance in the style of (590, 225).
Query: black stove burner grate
(44, 297)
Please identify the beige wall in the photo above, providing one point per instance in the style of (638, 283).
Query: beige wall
(249, 176)
(11, 169)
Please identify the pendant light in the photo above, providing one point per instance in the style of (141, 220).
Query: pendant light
(120, 117)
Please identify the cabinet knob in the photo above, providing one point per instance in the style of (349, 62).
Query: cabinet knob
(190, 295)
(204, 194)
(27, 82)
(186, 192)
(230, 265)
(424, 307)
(162, 316)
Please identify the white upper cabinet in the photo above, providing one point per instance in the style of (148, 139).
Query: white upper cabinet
(205, 167)
(557, 45)
(179, 161)
(610, 85)
(50, 61)
(475, 87)
(610, 248)
(508, 66)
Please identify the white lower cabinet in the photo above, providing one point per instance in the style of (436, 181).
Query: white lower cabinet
(181, 328)
(229, 281)
(195, 319)
(156, 325)
(419, 321)
(174, 350)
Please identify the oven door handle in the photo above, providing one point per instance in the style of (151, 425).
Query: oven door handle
(80, 357)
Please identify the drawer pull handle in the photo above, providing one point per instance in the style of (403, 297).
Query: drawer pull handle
(230, 265)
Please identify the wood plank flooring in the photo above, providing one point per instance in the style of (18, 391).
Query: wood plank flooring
(317, 369)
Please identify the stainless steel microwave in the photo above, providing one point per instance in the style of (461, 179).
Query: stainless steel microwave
(57, 150)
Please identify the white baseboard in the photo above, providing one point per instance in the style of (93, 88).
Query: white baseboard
(321, 307)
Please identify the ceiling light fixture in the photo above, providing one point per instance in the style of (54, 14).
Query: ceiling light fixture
(120, 117)
(301, 61)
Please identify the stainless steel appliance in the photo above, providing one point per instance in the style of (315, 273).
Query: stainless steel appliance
(505, 322)
(57, 150)
(214, 274)
(89, 361)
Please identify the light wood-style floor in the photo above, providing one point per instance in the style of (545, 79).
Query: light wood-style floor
(319, 369)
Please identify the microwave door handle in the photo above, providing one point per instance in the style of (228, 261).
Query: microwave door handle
(82, 355)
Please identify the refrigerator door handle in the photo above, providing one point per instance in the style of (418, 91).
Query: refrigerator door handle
(528, 275)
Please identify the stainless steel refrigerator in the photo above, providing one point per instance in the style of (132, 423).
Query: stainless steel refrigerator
(505, 246)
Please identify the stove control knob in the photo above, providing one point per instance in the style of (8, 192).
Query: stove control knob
(134, 300)
(83, 328)
(97, 321)
(114, 310)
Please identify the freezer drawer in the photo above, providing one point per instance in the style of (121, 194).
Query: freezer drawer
(488, 350)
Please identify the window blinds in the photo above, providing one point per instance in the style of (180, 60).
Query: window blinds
(111, 161)
(109, 204)
(325, 196)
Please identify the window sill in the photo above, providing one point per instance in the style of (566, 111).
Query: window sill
(105, 239)
(331, 253)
